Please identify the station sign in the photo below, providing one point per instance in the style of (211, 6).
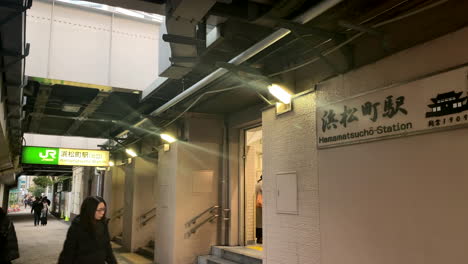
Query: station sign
(433, 103)
(62, 156)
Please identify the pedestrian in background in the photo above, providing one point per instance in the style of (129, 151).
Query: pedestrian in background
(88, 239)
(8, 242)
(37, 209)
(44, 212)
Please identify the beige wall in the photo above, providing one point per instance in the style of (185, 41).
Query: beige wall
(166, 199)
(289, 145)
(184, 194)
(392, 201)
(396, 201)
(139, 199)
(114, 191)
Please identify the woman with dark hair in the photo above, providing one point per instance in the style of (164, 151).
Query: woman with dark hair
(88, 239)
(8, 242)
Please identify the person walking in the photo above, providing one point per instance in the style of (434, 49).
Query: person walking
(88, 239)
(37, 208)
(44, 212)
(8, 241)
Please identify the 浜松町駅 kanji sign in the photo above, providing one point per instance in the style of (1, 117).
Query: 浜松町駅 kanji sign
(61, 156)
(435, 102)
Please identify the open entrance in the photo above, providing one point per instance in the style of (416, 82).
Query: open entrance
(253, 183)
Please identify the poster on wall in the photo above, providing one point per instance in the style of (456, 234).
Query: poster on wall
(436, 102)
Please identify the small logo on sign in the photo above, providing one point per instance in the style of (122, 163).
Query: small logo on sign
(447, 104)
(49, 155)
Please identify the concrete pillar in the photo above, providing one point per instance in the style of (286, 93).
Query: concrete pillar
(114, 191)
(188, 182)
(139, 200)
(2, 190)
(81, 188)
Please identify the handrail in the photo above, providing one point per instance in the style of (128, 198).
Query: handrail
(195, 228)
(147, 213)
(144, 217)
(147, 219)
(194, 220)
(118, 213)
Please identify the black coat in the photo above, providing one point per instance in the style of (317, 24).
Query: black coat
(37, 207)
(82, 247)
(8, 242)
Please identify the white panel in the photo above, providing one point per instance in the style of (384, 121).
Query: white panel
(80, 46)
(134, 54)
(202, 181)
(286, 190)
(39, 140)
(38, 35)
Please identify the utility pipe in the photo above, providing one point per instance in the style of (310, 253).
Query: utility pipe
(249, 53)
(245, 55)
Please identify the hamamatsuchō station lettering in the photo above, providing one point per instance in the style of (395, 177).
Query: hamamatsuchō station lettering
(379, 130)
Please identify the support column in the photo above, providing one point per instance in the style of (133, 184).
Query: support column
(188, 184)
(138, 202)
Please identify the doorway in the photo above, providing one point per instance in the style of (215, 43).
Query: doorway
(253, 183)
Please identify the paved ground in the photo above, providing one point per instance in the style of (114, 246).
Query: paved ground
(42, 244)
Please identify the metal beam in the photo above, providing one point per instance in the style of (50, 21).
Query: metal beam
(241, 69)
(88, 111)
(184, 59)
(369, 30)
(303, 30)
(39, 107)
(18, 10)
(14, 54)
(176, 39)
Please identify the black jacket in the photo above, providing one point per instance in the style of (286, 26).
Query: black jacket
(8, 242)
(83, 247)
(37, 207)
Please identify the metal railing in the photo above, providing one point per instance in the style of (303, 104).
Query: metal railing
(144, 218)
(194, 220)
(118, 214)
(194, 229)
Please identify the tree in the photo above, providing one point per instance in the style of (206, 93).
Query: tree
(43, 181)
(36, 190)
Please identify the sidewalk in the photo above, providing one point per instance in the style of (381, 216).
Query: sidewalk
(43, 244)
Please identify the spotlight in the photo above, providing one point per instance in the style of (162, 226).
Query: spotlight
(111, 164)
(131, 152)
(280, 93)
(168, 138)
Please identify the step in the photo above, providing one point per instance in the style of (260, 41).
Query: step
(240, 255)
(146, 252)
(118, 240)
(210, 259)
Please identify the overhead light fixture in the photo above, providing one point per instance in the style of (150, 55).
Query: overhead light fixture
(131, 152)
(111, 164)
(168, 138)
(280, 93)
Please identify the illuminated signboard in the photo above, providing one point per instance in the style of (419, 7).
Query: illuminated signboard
(60, 156)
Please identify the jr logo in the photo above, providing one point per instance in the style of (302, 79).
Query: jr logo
(49, 154)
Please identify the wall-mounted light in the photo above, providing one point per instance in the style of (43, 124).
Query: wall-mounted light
(131, 152)
(280, 93)
(111, 164)
(168, 138)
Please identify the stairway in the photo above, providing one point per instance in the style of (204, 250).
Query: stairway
(231, 255)
(118, 239)
(147, 251)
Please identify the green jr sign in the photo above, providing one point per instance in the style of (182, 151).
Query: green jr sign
(38, 155)
(62, 156)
